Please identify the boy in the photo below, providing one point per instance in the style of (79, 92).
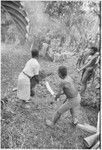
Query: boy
(73, 97)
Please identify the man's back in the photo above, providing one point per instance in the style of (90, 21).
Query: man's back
(32, 67)
(69, 88)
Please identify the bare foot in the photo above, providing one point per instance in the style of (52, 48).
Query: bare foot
(25, 104)
(49, 123)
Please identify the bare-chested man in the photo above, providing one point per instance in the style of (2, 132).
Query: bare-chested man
(73, 97)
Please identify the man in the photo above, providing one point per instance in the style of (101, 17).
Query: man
(88, 69)
(73, 98)
(28, 78)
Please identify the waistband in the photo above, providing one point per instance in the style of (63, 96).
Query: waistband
(27, 75)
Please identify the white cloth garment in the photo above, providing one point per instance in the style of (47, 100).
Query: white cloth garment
(31, 68)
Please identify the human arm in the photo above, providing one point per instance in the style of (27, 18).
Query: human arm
(87, 64)
(60, 92)
(43, 74)
(98, 59)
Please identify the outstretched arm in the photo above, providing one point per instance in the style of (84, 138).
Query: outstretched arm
(43, 74)
(85, 66)
(98, 59)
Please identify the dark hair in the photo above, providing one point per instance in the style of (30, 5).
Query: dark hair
(34, 53)
(93, 50)
(63, 71)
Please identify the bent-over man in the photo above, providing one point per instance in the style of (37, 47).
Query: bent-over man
(73, 97)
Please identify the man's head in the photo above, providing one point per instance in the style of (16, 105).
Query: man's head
(93, 50)
(35, 53)
(62, 72)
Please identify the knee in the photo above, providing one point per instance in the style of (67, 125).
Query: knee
(58, 113)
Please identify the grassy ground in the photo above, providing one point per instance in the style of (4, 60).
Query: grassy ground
(25, 128)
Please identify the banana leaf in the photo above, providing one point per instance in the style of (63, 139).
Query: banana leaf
(17, 13)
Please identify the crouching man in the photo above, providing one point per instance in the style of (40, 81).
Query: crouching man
(73, 98)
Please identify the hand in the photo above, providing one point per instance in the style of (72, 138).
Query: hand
(78, 70)
(56, 97)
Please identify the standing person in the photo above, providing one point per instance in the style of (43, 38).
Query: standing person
(28, 78)
(88, 68)
(44, 49)
(72, 103)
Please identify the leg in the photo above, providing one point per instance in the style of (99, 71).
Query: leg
(32, 93)
(56, 117)
(83, 88)
(75, 110)
(85, 78)
(84, 81)
(74, 120)
(65, 107)
(32, 86)
(58, 113)
(75, 113)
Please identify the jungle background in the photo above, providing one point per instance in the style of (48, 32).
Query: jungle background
(61, 31)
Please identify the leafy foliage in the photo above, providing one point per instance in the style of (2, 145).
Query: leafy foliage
(79, 25)
(57, 9)
(66, 28)
(17, 14)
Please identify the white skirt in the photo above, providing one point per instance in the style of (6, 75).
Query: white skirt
(23, 87)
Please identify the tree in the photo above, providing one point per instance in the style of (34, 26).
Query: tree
(17, 14)
(82, 24)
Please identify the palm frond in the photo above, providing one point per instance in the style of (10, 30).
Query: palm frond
(17, 13)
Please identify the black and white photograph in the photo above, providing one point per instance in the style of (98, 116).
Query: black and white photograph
(50, 74)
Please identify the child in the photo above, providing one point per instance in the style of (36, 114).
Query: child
(73, 97)
(28, 78)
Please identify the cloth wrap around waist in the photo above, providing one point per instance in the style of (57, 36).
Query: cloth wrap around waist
(33, 80)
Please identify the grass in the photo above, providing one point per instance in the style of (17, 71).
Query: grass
(25, 128)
